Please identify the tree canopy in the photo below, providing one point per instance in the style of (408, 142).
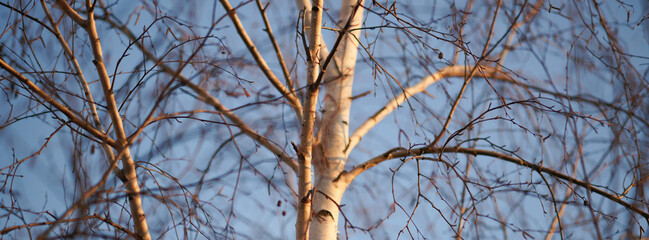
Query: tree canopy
(323, 120)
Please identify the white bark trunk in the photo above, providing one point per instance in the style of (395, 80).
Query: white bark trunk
(305, 153)
(326, 202)
(329, 155)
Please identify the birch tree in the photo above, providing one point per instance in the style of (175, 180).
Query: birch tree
(351, 119)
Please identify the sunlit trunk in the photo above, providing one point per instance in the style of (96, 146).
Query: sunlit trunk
(326, 203)
(330, 157)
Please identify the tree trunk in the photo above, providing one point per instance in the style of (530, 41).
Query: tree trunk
(330, 153)
(326, 203)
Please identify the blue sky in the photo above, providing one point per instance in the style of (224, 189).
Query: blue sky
(47, 180)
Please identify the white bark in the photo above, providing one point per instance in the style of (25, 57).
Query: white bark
(305, 152)
(334, 130)
(332, 71)
(329, 155)
(326, 202)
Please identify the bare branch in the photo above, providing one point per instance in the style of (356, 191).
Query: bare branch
(450, 71)
(9, 229)
(110, 156)
(341, 34)
(82, 199)
(305, 153)
(102, 137)
(349, 176)
(132, 186)
(290, 96)
(305, 5)
(476, 68)
(209, 99)
(278, 51)
(72, 13)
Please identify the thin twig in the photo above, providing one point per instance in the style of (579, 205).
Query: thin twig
(102, 137)
(209, 99)
(278, 51)
(110, 156)
(290, 96)
(349, 176)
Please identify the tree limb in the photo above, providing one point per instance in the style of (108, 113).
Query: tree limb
(110, 156)
(72, 13)
(47, 98)
(305, 151)
(349, 176)
(208, 98)
(290, 96)
(132, 186)
(450, 71)
(460, 71)
(278, 51)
